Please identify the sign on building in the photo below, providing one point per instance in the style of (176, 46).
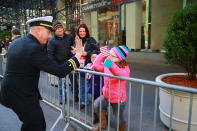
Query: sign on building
(98, 4)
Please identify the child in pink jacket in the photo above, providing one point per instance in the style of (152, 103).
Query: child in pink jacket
(114, 64)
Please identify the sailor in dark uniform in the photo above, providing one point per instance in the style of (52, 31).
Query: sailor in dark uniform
(25, 59)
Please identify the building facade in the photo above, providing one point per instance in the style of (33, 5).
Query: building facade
(139, 24)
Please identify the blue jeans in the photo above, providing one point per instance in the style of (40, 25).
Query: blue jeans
(60, 88)
(73, 89)
(74, 85)
(83, 89)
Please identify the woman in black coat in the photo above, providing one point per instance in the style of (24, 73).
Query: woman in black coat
(90, 45)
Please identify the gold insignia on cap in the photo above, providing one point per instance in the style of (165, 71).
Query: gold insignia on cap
(46, 25)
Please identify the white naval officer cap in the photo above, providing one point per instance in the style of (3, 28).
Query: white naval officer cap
(45, 21)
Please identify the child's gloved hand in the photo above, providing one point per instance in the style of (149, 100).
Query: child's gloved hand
(108, 63)
(104, 51)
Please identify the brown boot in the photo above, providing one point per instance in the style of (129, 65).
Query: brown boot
(95, 118)
(103, 122)
(122, 127)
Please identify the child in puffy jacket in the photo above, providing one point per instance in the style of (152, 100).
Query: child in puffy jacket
(93, 83)
(114, 64)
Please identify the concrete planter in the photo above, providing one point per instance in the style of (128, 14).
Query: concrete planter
(180, 108)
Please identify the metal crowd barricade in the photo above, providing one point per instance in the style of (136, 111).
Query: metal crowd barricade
(2, 64)
(140, 116)
(137, 118)
(48, 87)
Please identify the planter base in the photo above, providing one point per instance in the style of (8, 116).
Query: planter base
(180, 108)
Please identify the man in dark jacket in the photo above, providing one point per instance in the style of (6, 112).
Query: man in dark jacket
(59, 46)
(59, 49)
(15, 33)
(25, 59)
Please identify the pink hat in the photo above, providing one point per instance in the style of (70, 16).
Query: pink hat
(121, 51)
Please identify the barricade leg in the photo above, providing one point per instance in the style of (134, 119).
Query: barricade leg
(48, 93)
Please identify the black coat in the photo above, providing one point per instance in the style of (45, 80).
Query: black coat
(59, 49)
(90, 46)
(25, 59)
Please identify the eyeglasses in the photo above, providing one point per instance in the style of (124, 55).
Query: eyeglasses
(113, 56)
(59, 28)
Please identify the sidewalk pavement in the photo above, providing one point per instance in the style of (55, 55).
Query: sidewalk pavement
(10, 122)
(148, 65)
(151, 69)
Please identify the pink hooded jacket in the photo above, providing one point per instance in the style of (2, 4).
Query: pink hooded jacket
(114, 83)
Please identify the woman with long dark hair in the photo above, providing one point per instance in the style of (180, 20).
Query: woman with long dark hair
(90, 45)
(89, 42)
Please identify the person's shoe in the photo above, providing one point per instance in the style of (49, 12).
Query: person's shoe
(82, 106)
(103, 122)
(76, 99)
(95, 118)
(95, 128)
(122, 127)
(60, 101)
(54, 85)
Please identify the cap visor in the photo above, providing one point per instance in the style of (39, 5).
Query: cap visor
(51, 29)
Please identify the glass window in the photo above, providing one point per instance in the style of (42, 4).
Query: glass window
(108, 23)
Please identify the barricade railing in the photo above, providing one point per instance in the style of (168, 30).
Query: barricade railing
(2, 64)
(141, 107)
(138, 86)
(48, 87)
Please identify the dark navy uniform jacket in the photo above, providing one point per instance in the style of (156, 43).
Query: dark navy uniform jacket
(25, 59)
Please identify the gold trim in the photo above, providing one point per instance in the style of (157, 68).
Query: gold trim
(46, 25)
(73, 63)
